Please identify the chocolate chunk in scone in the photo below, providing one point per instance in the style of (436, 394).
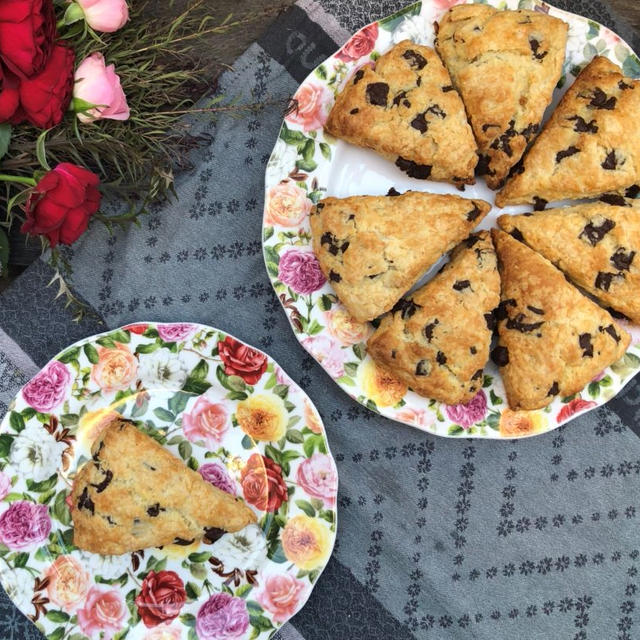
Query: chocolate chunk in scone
(589, 146)
(406, 110)
(505, 64)
(373, 249)
(134, 494)
(440, 347)
(596, 245)
(553, 340)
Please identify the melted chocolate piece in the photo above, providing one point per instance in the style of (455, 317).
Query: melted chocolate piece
(320, 206)
(614, 199)
(632, 191)
(473, 351)
(393, 354)
(448, 88)
(354, 111)
(109, 520)
(419, 81)
(413, 170)
(407, 308)
(477, 375)
(604, 279)
(420, 123)
(622, 260)
(416, 61)
(357, 76)
(540, 312)
(377, 93)
(437, 111)
(154, 510)
(500, 355)
(400, 96)
(441, 359)
(582, 126)
(334, 277)
(344, 246)
(393, 192)
(428, 329)
(535, 46)
(517, 234)
(622, 85)
(329, 239)
(149, 466)
(472, 239)
(518, 324)
(566, 153)
(85, 502)
(501, 310)
(539, 203)
(584, 340)
(610, 162)
(96, 455)
(502, 143)
(422, 368)
(182, 542)
(611, 330)
(211, 534)
(101, 486)
(459, 285)
(554, 389)
(594, 233)
(491, 320)
(482, 168)
(530, 130)
(473, 214)
(599, 100)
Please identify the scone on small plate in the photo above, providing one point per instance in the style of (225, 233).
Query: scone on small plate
(134, 494)
(553, 340)
(597, 245)
(590, 145)
(505, 64)
(373, 249)
(408, 111)
(437, 339)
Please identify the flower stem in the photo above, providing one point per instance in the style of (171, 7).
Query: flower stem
(18, 179)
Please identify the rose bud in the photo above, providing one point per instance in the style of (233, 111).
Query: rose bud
(9, 97)
(97, 92)
(27, 34)
(105, 15)
(62, 203)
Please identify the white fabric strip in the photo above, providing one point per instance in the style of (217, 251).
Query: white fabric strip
(325, 20)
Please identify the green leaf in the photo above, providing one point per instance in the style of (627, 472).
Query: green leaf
(455, 430)
(198, 571)
(121, 635)
(200, 371)
(493, 420)
(69, 419)
(58, 616)
(16, 421)
(21, 561)
(276, 553)
(271, 255)
(185, 449)
(120, 335)
(267, 233)
(140, 406)
(56, 634)
(199, 556)
(348, 381)
(281, 390)
(309, 445)
(594, 389)
(321, 72)
(351, 368)
(5, 138)
(325, 149)
(306, 165)
(236, 383)
(589, 51)
(325, 302)
(272, 268)
(147, 348)
(164, 415)
(91, 352)
(247, 442)
(243, 590)
(192, 635)
(28, 413)
(262, 623)
(360, 350)
(151, 333)
(106, 342)
(314, 328)
(43, 485)
(193, 590)
(188, 620)
(254, 607)
(41, 153)
(290, 136)
(69, 355)
(295, 436)
(306, 507)
(192, 463)
(327, 515)
(631, 66)
(594, 29)
(198, 387)
(178, 402)
(494, 398)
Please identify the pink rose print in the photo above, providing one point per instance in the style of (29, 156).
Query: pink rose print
(24, 524)
(176, 332)
(301, 271)
(361, 44)
(5, 484)
(207, 421)
(222, 617)
(417, 417)
(318, 478)
(446, 4)
(216, 474)
(104, 611)
(312, 103)
(47, 389)
(328, 353)
(469, 413)
(286, 204)
(68, 583)
(281, 595)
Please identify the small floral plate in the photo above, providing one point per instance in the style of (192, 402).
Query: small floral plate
(228, 411)
(307, 164)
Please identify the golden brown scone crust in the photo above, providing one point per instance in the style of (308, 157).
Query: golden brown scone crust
(591, 143)
(552, 339)
(505, 64)
(134, 494)
(407, 111)
(596, 245)
(373, 249)
(437, 340)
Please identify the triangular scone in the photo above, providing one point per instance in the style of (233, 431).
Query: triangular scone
(596, 245)
(590, 145)
(373, 249)
(437, 339)
(134, 494)
(552, 339)
(407, 110)
(505, 64)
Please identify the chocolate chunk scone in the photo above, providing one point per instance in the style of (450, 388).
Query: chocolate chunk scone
(373, 249)
(407, 110)
(134, 494)
(553, 340)
(591, 143)
(505, 64)
(596, 245)
(437, 340)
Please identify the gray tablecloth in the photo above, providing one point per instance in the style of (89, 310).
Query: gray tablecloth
(437, 538)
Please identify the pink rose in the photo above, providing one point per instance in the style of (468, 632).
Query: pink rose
(24, 524)
(281, 595)
(104, 611)
(326, 352)
(116, 368)
(469, 413)
(312, 103)
(287, 204)
(176, 332)
(318, 477)
(446, 4)
(207, 421)
(344, 328)
(301, 271)
(68, 583)
(311, 418)
(99, 85)
(417, 417)
(105, 15)
(222, 617)
(164, 632)
(360, 44)
(5, 484)
(216, 474)
(282, 377)
(48, 388)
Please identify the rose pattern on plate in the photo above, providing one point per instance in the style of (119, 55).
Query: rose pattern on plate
(231, 414)
(304, 154)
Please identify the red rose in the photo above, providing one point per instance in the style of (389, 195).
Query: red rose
(27, 33)
(360, 44)
(576, 405)
(62, 203)
(161, 598)
(44, 98)
(243, 361)
(262, 483)
(136, 328)
(9, 97)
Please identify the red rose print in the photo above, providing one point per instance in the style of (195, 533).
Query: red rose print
(361, 44)
(137, 328)
(241, 360)
(161, 598)
(576, 405)
(262, 483)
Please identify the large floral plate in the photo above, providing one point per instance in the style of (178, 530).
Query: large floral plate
(230, 413)
(306, 165)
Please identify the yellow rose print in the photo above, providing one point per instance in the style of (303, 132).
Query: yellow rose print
(381, 386)
(306, 542)
(521, 423)
(263, 417)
